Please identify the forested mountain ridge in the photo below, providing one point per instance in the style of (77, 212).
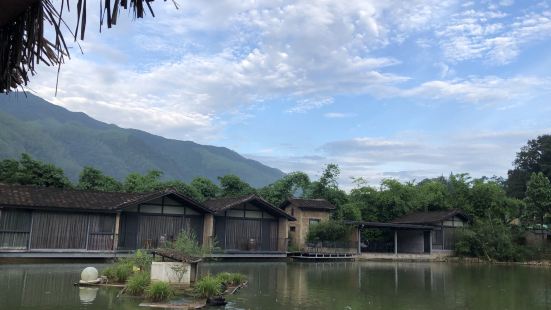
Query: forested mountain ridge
(72, 140)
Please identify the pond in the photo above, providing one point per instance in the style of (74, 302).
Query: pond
(279, 285)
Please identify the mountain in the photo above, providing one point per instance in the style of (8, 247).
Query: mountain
(72, 140)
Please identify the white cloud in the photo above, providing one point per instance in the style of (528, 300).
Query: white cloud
(414, 157)
(484, 90)
(338, 115)
(490, 35)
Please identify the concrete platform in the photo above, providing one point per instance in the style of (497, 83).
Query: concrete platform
(435, 256)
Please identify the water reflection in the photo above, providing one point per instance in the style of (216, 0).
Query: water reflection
(277, 285)
(389, 286)
(87, 295)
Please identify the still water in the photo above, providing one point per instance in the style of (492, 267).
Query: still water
(275, 285)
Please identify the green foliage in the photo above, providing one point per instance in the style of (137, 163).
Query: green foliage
(142, 260)
(93, 179)
(208, 286)
(28, 171)
(538, 197)
(534, 157)
(328, 231)
(327, 187)
(138, 283)
(119, 272)
(138, 183)
(205, 187)
(231, 278)
(123, 271)
(233, 186)
(292, 184)
(159, 291)
(492, 241)
(187, 244)
(350, 212)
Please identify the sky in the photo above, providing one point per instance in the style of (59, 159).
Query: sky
(383, 88)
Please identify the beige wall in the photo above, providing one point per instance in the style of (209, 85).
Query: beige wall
(303, 216)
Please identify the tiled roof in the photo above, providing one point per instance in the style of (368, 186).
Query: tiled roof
(320, 204)
(430, 217)
(51, 197)
(221, 204)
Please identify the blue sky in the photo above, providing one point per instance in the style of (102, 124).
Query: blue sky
(383, 88)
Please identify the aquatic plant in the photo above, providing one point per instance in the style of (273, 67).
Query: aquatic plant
(228, 278)
(208, 286)
(137, 283)
(123, 270)
(159, 291)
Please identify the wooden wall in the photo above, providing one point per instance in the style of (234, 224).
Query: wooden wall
(49, 230)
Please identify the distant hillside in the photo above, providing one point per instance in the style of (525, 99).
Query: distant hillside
(73, 140)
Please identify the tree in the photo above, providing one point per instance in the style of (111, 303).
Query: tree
(292, 184)
(93, 179)
(28, 171)
(538, 197)
(205, 187)
(535, 156)
(233, 186)
(138, 183)
(327, 187)
(181, 187)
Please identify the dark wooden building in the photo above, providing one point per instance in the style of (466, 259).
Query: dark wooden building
(51, 222)
(249, 224)
(445, 224)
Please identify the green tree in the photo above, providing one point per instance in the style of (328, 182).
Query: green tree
(233, 186)
(28, 171)
(205, 187)
(327, 187)
(293, 184)
(538, 197)
(535, 156)
(93, 179)
(138, 183)
(181, 187)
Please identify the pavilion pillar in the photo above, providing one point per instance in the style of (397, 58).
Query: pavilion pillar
(395, 242)
(116, 232)
(208, 230)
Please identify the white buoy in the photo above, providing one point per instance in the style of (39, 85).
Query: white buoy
(89, 274)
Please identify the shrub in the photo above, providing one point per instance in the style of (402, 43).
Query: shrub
(237, 278)
(123, 270)
(187, 244)
(109, 272)
(137, 283)
(159, 291)
(142, 260)
(491, 241)
(208, 286)
(328, 231)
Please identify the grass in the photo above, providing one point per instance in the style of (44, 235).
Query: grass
(228, 278)
(208, 286)
(159, 291)
(138, 283)
(119, 272)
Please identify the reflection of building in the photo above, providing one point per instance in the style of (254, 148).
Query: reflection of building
(308, 212)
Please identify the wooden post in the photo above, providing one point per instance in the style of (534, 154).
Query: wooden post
(116, 232)
(395, 242)
(430, 241)
(359, 241)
